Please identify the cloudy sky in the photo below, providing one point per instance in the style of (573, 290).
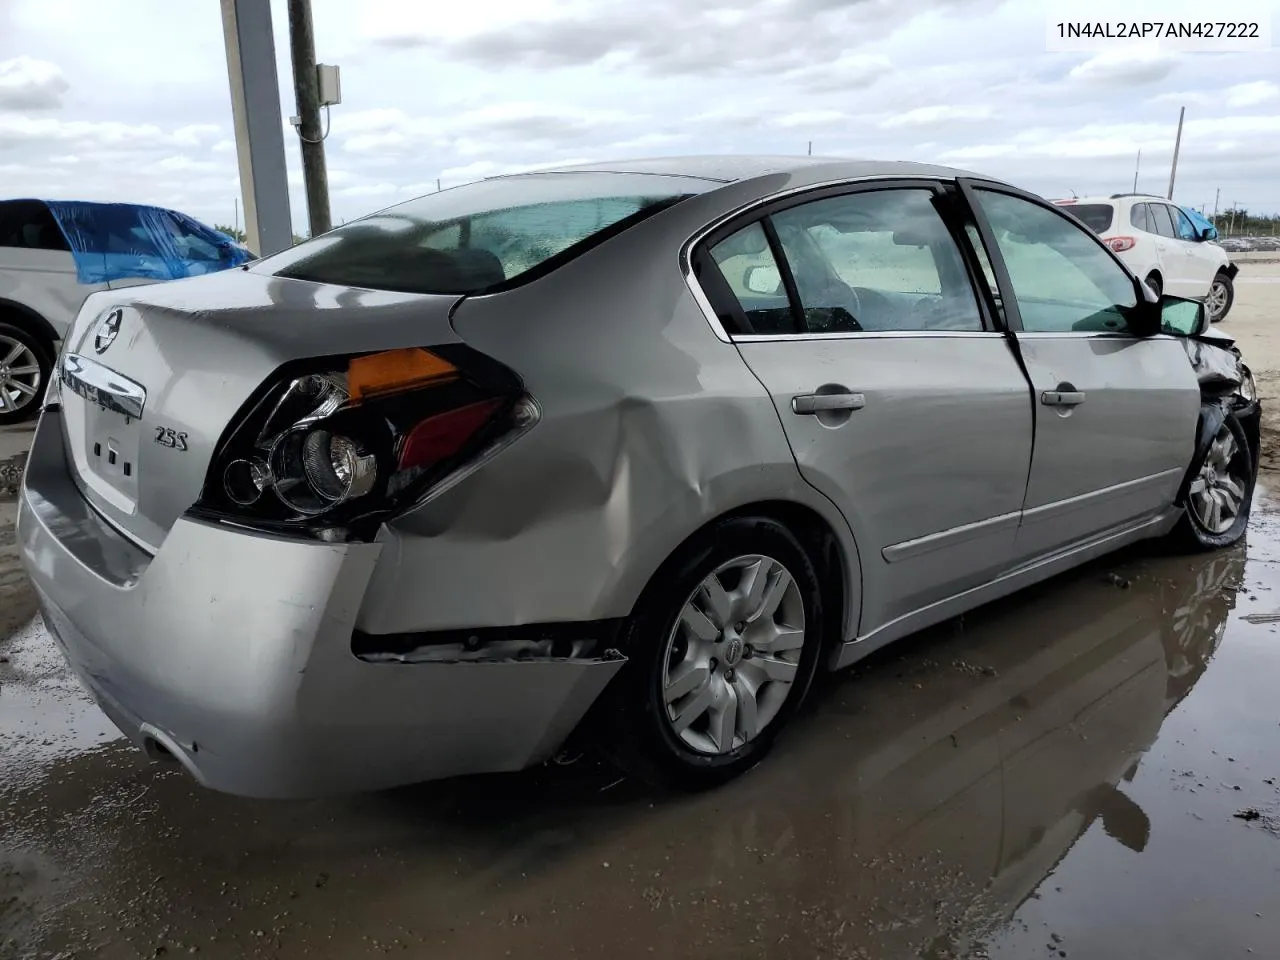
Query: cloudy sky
(128, 99)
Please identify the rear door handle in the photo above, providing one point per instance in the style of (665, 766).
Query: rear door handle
(1062, 398)
(811, 403)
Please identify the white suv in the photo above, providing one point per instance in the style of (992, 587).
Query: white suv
(1159, 242)
(55, 253)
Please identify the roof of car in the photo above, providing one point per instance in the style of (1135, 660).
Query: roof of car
(730, 168)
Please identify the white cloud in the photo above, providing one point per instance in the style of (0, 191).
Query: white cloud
(1129, 65)
(1252, 94)
(29, 84)
(939, 113)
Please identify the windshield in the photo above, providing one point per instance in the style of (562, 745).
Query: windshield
(1096, 216)
(482, 236)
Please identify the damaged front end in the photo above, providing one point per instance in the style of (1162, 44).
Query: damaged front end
(1227, 388)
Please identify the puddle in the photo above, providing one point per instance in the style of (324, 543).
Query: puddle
(44, 712)
(1071, 772)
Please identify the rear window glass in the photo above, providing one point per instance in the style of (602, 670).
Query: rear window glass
(481, 236)
(1096, 216)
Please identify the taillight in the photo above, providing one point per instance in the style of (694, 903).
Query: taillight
(336, 449)
(1121, 244)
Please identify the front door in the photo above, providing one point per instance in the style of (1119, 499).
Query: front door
(901, 400)
(1116, 414)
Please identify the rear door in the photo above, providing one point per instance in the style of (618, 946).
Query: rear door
(901, 399)
(1115, 414)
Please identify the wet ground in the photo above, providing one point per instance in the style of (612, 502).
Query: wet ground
(1089, 769)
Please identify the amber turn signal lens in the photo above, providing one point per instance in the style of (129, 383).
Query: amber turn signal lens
(395, 371)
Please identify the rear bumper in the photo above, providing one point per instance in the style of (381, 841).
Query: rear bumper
(233, 651)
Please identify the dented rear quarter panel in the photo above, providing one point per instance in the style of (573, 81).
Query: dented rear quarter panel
(651, 427)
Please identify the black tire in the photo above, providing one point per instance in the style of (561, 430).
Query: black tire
(1155, 283)
(1192, 533)
(638, 732)
(1229, 291)
(29, 407)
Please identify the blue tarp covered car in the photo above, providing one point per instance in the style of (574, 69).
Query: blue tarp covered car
(113, 241)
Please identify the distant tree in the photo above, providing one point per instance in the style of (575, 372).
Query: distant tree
(298, 238)
(232, 232)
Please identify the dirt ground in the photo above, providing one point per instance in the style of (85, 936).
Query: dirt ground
(1090, 769)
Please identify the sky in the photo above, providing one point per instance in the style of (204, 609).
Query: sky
(129, 99)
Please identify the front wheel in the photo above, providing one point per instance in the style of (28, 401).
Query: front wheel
(1222, 294)
(1217, 507)
(723, 646)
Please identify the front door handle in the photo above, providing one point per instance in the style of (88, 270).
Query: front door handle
(811, 403)
(1062, 398)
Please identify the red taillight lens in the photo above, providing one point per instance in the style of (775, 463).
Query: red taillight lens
(1121, 244)
(442, 436)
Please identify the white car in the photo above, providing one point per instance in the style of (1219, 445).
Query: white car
(1159, 242)
(55, 253)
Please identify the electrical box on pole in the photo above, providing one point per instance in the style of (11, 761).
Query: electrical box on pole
(329, 84)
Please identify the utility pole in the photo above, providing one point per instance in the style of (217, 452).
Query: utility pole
(1177, 145)
(306, 87)
(1136, 165)
(1216, 195)
(811, 148)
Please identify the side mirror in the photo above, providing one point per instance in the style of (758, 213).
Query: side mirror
(1183, 318)
(762, 279)
(1207, 233)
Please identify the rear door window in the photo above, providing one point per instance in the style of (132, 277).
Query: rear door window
(876, 261)
(1140, 218)
(1159, 213)
(483, 236)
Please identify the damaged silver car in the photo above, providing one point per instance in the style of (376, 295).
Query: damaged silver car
(624, 452)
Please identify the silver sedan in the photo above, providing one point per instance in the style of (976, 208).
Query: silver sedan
(622, 453)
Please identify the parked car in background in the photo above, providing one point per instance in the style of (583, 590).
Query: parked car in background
(54, 253)
(630, 449)
(1162, 244)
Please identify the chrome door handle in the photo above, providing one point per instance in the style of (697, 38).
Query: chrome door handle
(1062, 398)
(811, 403)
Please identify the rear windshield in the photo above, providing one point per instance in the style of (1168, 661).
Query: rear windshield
(482, 236)
(1096, 216)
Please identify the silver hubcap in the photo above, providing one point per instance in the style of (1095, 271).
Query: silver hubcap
(19, 375)
(1217, 299)
(1217, 496)
(733, 655)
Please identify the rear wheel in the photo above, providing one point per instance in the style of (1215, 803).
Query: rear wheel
(1222, 294)
(1217, 508)
(24, 372)
(723, 646)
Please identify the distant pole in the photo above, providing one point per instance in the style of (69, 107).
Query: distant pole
(1177, 145)
(1216, 195)
(237, 216)
(437, 184)
(811, 148)
(306, 88)
(1136, 165)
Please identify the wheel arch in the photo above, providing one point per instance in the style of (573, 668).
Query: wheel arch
(836, 559)
(20, 315)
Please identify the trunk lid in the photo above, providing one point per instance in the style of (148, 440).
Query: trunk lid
(151, 376)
